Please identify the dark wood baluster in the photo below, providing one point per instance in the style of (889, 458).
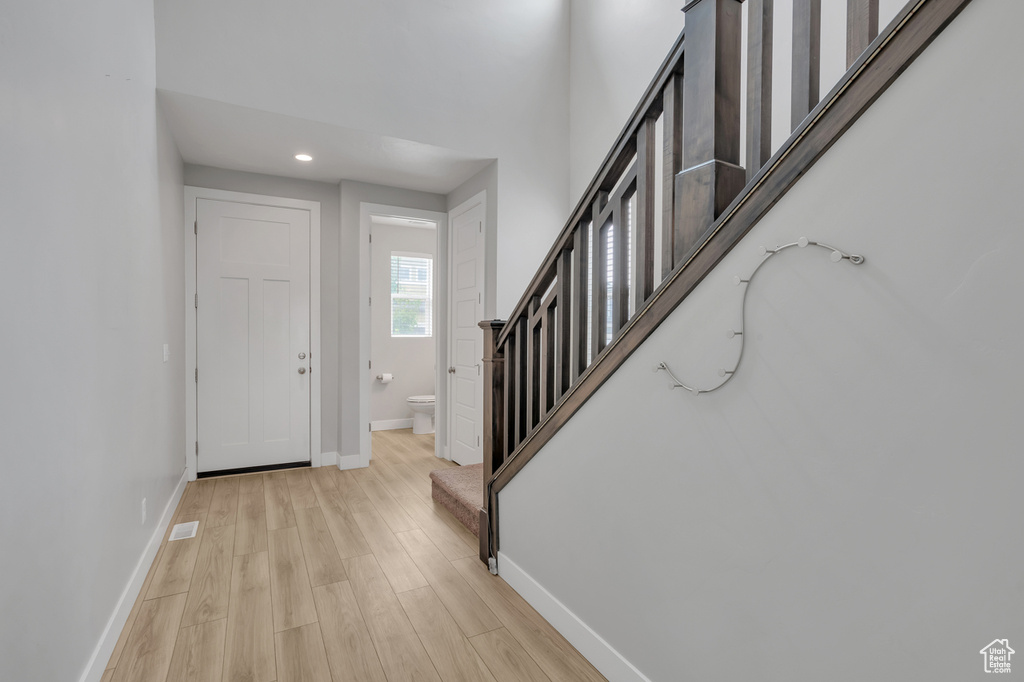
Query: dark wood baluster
(510, 394)
(533, 345)
(712, 176)
(563, 324)
(620, 266)
(806, 58)
(599, 275)
(759, 84)
(672, 163)
(493, 418)
(548, 338)
(521, 373)
(643, 254)
(861, 27)
(580, 320)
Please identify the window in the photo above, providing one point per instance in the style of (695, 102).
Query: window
(412, 291)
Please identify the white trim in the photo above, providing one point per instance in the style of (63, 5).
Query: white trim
(594, 648)
(391, 424)
(192, 194)
(366, 212)
(329, 459)
(353, 462)
(97, 664)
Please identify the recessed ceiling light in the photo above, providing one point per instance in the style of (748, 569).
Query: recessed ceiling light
(303, 157)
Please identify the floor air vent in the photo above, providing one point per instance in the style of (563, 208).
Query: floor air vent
(184, 531)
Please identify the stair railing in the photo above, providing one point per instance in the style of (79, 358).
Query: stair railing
(603, 288)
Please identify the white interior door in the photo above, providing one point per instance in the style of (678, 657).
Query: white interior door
(465, 338)
(252, 335)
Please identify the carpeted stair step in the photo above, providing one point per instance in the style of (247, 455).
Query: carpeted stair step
(460, 490)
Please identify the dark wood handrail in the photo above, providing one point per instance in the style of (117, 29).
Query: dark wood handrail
(885, 58)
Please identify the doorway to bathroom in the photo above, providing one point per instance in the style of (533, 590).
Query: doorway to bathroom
(403, 289)
(403, 328)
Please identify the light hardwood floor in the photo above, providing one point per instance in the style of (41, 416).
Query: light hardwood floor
(321, 575)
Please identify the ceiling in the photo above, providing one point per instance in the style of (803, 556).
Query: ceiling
(212, 133)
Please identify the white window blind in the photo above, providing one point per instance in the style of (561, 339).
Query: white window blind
(412, 287)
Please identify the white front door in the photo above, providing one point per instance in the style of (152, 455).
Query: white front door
(252, 335)
(465, 338)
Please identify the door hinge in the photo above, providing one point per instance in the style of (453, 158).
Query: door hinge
(371, 238)
(369, 364)
(369, 427)
(370, 300)
(195, 227)
(197, 447)
(196, 301)
(197, 375)
(478, 441)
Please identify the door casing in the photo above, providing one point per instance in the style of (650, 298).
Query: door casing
(192, 195)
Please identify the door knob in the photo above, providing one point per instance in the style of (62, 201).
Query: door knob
(451, 370)
(302, 370)
(302, 356)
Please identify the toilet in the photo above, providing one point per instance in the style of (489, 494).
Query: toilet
(422, 407)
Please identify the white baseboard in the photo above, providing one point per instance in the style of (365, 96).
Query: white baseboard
(328, 459)
(600, 653)
(390, 424)
(108, 640)
(352, 462)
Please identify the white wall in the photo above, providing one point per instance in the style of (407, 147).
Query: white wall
(92, 287)
(330, 229)
(616, 48)
(488, 79)
(410, 359)
(844, 508)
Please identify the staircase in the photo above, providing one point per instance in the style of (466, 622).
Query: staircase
(604, 287)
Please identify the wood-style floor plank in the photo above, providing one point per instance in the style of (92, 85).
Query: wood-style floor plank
(250, 484)
(301, 656)
(251, 524)
(322, 559)
(466, 607)
(392, 557)
(401, 653)
(115, 656)
(312, 581)
(300, 489)
(348, 539)
(147, 654)
(289, 581)
(453, 656)
(506, 658)
(197, 498)
(211, 579)
(224, 504)
(350, 650)
(199, 653)
(177, 561)
(323, 484)
(452, 544)
(279, 501)
(386, 505)
(249, 643)
(545, 645)
(351, 492)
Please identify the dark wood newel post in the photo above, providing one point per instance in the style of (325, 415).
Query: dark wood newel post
(711, 175)
(493, 441)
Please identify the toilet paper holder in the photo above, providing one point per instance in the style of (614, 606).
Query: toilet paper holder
(385, 377)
